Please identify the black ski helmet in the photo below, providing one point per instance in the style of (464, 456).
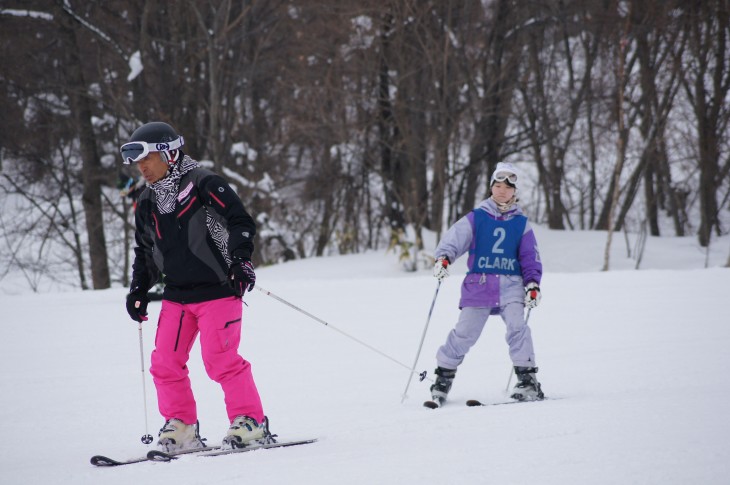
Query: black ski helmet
(161, 135)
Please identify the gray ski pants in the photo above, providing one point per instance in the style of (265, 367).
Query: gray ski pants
(469, 328)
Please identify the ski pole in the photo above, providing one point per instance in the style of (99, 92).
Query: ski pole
(420, 345)
(512, 369)
(422, 375)
(146, 437)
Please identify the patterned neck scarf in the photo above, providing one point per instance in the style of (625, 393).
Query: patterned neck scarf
(166, 189)
(507, 205)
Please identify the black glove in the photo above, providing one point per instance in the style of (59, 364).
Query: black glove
(137, 304)
(241, 277)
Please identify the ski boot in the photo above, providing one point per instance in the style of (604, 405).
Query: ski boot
(527, 387)
(176, 436)
(245, 430)
(440, 389)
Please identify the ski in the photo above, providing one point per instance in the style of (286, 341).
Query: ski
(100, 460)
(161, 456)
(475, 402)
(282, 444)
(158, 455)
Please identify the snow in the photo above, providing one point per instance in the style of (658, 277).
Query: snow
(26, 13)
(135, 66)
(635, 363)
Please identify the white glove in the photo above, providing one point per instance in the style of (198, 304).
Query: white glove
(441, 268)
(532, 295)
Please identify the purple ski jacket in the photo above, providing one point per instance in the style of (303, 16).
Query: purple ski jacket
(488, 289)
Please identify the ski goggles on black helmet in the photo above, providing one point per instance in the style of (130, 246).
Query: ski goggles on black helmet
(134, 151)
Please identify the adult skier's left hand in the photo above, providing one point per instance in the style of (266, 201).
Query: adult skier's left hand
(532, 295)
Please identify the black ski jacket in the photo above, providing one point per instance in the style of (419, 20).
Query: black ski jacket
(193, 245)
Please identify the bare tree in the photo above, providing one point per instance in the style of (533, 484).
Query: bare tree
(706, 83)
(621, 139)
(491, 80)
(554, 87)
(51, 218)
(80, 105)
(658, 87)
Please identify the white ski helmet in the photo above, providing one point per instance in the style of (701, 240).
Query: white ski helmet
(505, 172)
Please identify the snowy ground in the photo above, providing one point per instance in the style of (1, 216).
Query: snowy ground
(637, 362)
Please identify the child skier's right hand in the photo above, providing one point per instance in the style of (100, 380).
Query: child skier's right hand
(441, 268)
(532, 295)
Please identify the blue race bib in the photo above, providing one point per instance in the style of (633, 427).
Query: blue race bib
(496, 244)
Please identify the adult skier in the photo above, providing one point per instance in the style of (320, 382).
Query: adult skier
(191, 227)
(504, 277)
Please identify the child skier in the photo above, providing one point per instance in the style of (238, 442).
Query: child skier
(504, 277)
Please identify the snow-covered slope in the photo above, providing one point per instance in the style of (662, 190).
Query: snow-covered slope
(636, 361)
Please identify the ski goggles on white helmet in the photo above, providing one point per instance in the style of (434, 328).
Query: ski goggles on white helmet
(134, 151)
(502, 176)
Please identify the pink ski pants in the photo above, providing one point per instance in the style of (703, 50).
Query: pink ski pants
(219, 325)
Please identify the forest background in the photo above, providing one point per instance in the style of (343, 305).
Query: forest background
(351, 125)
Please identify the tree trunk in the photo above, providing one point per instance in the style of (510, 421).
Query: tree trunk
(708, 89)
(620, 144)
(498, 74)
(91, 170)
(388, 133)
